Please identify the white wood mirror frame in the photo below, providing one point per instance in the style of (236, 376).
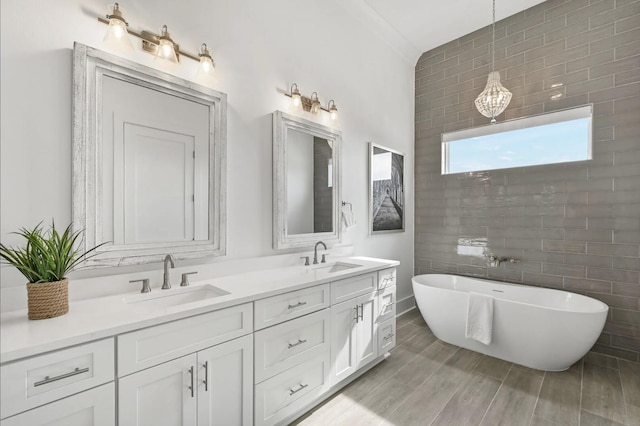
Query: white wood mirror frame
(90, 68)
(282, 238)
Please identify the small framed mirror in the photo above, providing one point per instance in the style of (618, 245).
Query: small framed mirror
(306, 182)
(148, 162)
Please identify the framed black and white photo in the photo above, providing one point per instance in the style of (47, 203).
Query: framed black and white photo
(386, 190)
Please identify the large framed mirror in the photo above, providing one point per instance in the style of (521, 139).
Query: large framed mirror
(306, 182)
(148, 162)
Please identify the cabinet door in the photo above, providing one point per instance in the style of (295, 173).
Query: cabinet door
(343, 340)
(367, 345)
(160, 395)
(95, 407)
(225, 383)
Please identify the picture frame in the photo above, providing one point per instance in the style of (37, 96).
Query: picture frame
(386, 190)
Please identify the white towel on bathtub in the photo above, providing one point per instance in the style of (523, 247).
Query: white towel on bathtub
(480, 318)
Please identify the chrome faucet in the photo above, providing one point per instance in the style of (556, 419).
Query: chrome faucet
(315, 252)
(165, 281)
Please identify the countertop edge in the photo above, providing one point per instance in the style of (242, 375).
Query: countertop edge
(103, 332)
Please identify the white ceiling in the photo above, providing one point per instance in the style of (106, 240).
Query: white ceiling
(416, 26)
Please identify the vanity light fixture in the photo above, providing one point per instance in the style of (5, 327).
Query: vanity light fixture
(495, 98)
(315, 103)
(162, 45)
(166, 48)
(206, 61)
(296, 98)
(117, 31)
(333, 111)
(311, 104)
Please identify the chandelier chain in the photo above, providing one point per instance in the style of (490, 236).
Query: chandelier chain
(493, 38)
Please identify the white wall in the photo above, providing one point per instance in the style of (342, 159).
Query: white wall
(260, 49)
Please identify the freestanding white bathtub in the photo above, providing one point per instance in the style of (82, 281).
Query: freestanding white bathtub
(539, 328)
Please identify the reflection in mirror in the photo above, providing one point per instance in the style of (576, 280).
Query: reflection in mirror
(148, 167)
(155, 163)
(306, 182)
(309, 183)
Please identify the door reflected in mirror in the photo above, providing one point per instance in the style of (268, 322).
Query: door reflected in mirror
(309, 183)
(158, 148)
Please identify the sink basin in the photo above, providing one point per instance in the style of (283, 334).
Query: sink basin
(174, 298)
(336, 267)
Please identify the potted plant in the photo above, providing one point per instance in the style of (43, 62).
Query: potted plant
(45, 262)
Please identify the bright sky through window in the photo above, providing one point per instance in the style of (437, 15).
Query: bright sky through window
(527, 142)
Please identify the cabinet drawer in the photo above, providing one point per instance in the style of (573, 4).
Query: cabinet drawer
(353, 287)
(386, 304)
(386, 278)
(150, 346)
(36, 381)
(285, 345)
(386, 336)
(284, 394)
(277, 309)
(95, 407)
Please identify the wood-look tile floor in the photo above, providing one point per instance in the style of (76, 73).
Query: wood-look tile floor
(428, 382)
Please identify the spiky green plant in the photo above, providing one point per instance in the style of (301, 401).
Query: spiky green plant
(48, 255)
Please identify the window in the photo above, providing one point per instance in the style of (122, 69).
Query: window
(556, 137)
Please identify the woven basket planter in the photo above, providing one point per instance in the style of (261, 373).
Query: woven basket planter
(48, 300)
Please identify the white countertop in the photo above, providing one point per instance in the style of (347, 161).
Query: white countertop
(102, 317)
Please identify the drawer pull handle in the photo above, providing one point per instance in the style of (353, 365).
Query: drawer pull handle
(48, 379)
(388, 337)
(299, 342)
(206, 376)
(297, 305)
(357, 315)
(291, 391)
(362, 311)
(191, 387)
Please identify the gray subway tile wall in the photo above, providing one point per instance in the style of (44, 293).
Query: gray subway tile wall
(574, 226)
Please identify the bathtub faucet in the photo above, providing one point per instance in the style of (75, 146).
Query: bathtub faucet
(496, 261)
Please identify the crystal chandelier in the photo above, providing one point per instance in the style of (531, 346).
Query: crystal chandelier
(495, 98)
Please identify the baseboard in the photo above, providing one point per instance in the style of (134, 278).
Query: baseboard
(405, 305)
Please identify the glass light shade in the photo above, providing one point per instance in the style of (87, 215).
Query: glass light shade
(296, 99)
(166, 48)
(333, 112)
(206, 66)
(117, 37)
(315, 103)
(494, 99)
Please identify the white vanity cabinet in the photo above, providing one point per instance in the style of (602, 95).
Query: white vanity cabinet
(95, 407)
(48, 378)
(386, 320)
(190, 381)
(353, 335)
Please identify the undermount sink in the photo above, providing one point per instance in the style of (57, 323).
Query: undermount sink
(336, 267)
(166, 299)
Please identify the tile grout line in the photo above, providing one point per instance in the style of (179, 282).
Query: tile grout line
(457, 389)
(495, 395)
(533, 413)
(581, 391)
(427, 378)
(624, 399)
